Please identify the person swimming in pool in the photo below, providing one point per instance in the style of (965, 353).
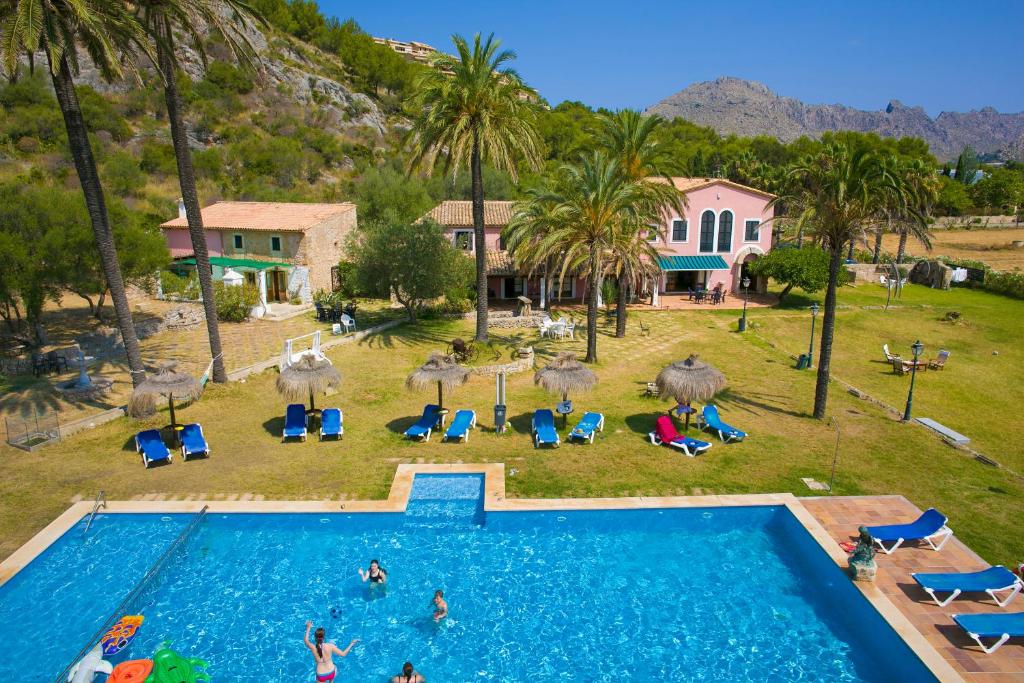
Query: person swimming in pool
(375, 574)
(408, 675)
(324, 653)
(440, 606)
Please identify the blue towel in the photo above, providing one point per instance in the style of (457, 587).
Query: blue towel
(587, 425)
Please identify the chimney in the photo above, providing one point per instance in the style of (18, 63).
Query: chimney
(181, 208)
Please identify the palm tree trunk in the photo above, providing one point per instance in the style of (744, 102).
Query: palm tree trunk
(800, 237)
(849, 253)
(595, 288)
(902, 251)
(828, 327)
(620, 308)
(187, 181)
(877, 255)
(479, 246)
(85, 165)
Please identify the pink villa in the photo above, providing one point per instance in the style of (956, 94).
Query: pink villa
(725, 226)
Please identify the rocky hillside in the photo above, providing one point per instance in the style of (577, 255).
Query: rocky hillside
(733, 105)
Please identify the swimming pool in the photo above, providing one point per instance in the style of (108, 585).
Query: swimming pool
(733, 593)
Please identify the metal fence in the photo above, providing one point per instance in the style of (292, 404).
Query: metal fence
(33, 431)
(133, 602)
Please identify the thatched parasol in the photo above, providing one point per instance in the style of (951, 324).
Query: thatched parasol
(689, 380)
(565, 374)
(164, 383)
(440, 369)
(310, 375)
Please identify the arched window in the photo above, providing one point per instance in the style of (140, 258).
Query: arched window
(725, 231)
(707, 231)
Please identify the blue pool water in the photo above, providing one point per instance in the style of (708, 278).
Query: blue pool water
(723, 594)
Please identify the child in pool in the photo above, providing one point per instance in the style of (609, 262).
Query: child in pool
(440, 606)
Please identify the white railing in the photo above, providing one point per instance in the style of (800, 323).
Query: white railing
(289, 356)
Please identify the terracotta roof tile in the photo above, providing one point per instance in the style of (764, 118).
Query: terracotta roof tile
(459, 213)
(499, 262)
(270, 216)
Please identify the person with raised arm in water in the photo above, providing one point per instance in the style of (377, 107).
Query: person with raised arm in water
(324, 653)
(375, 574)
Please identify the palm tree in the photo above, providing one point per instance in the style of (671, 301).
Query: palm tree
(473, 108)
(836, 192)
(574, 223)
(106, 33)
(226, 19)
(628, 137)
(911, 212)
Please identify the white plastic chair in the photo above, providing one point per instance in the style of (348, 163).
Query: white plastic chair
(347, 322)
(883, 280)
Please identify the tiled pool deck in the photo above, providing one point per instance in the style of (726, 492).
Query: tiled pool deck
(926, 628)
(841, 516)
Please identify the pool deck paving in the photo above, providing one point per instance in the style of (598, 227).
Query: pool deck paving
(842, 515)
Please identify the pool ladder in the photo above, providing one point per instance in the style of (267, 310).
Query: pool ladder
(101, 502)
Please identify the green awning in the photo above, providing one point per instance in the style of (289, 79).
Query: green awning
(669, 263)
(226, 262)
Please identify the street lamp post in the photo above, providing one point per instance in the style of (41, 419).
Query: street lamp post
(917, 347)
(743, 320)
(810, 347)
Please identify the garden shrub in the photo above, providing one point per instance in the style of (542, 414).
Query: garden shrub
(184, 286)
(234, 302)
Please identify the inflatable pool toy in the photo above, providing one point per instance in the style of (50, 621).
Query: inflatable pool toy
(90, 665)
(121, 634)
(170, 667)
(132, 671)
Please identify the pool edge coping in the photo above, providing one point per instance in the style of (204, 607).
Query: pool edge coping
(496, 501)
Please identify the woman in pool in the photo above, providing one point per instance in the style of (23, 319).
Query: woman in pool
(375, 575)
(324, 653)
(408, 675)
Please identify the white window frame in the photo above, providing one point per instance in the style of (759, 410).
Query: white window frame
(718, 227)
(235, 239)
(280, 242)
(714, 231)
(672, 228)
(760, 224)
(472, 239)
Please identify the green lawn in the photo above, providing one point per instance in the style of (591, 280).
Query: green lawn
(766, 397)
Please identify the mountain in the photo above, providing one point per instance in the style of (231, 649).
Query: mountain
(740, 107)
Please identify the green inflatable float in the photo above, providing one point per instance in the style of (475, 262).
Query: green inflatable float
(170, 667)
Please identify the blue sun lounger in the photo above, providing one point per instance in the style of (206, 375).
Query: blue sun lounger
(543, 428)
(709, 419)
(930, 525)
(294, 422)
(993, 580)
(330, 423)
(193, 442)
(458, 430)
(149, 444)
(425, 425)
(665, 434)
(587, 427)
(1002, 627)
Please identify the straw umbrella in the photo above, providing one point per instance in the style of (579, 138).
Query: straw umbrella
(439, 369)
(565, 374)
(166, 382)
(310, 375)
(689, 380)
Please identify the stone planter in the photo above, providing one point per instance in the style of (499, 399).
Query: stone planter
(863, 571)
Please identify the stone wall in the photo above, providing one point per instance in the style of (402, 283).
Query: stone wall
(322, 247)
(522, 363)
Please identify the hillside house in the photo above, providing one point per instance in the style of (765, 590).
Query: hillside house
(288, 250)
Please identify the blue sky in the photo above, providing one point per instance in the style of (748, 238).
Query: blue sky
(940, 55)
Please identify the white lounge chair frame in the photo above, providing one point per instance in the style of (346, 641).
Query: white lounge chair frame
(1014, 589)
(945, 533)
(656, 440)
(465, 437)
(995, 646)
